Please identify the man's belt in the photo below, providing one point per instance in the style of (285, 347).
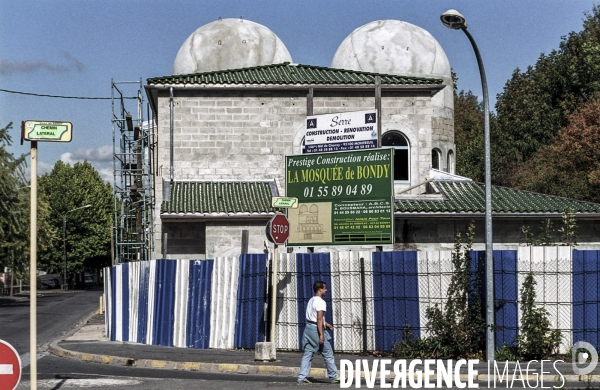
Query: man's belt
(311, 322)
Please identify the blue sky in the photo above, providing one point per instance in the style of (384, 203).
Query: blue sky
(75, 48)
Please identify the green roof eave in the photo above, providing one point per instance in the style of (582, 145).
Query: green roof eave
(467, 199)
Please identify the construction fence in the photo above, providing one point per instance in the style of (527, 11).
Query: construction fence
(372, 297)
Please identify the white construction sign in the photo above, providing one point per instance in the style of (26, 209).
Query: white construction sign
(341, 132)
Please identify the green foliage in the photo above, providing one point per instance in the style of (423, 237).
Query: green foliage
(533, 108)
(547, 233)
(88, 229)
(15, 210)
(536, 340)
(569, 167)
(457, 331)
(569, 228)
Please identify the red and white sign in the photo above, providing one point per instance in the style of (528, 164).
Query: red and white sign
(278, 229)
(10, 366)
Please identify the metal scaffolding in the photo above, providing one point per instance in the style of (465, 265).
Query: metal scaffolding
(133, 152)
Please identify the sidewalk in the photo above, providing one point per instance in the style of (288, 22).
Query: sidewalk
(90, 344)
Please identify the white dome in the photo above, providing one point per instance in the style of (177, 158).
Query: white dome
(392, 47)
(229, 44)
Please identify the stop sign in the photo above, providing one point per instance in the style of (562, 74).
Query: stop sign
(10, 366)
(278, 229)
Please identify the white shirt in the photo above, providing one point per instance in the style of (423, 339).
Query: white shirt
(314, 305)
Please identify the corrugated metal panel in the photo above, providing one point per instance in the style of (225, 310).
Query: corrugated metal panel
(224, 302)
(143, 301)
(125, 301)
(219, 197)
(286, 73)
(151, 301)
(181, 303)
(287, 312)
(435, 272)
(353, 331)
(469, 197)
(250, 325)
(134, 304)
(311, 267)
(396, 295)
(199, 303)
(551, 267)
(586, 297)
(506, 289)
(118, 303)
(113, 309)
(164, 301)
(109, 303)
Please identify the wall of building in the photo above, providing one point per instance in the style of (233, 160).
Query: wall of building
(239, 135)
(214, 239)
(438, 234)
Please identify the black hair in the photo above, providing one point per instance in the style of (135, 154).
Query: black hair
(318, 285)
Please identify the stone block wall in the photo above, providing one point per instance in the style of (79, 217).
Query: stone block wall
(245, 135)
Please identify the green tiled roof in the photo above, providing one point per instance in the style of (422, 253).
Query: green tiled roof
(469, 197)
(213, 198)
(286, 74)
(219, 197)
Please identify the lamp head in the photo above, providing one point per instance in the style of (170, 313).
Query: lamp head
(453, 19)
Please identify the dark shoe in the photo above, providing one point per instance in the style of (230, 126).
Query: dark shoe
(305, 381)
(337, 380)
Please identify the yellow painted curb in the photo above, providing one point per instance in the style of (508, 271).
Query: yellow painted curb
(267, 369)
(107, 359)
(87, 357)
(228, 367)
(157, 363)
(189, 366)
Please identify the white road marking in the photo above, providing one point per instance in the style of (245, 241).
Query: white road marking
(24, 360)
(6, 369)
(82, 383)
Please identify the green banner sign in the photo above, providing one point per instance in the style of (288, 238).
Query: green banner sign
(344, 198)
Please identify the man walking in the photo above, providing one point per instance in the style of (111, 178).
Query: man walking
(315, 339)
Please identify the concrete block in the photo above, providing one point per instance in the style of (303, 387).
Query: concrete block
(265, 352)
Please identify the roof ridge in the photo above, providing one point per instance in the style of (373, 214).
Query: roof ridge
(337, 71)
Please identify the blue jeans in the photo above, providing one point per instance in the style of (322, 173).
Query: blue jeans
(327, 353)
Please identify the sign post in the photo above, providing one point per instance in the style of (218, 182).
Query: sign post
(278, 231)
(34, 131)
(10, 366)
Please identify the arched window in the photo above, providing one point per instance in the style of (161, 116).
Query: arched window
(397, 141)
(435, 158)
(450, 162)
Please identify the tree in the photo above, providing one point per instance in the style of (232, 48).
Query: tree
(15, 212)
(570, 166)
(537, 103)
(87, 230)
(469, 134)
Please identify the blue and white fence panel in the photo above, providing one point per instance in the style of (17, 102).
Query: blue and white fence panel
(222, 303)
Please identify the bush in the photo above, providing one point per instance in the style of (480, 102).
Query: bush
(458, 331)
(535, 340)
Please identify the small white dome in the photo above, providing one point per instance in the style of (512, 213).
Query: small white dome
(229, 44)
(392, 47)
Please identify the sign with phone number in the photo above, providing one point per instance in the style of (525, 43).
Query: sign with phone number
(345, 198)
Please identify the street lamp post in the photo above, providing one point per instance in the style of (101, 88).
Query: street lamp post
(454, 20)
(65, 285)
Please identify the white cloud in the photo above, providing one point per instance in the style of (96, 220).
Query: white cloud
(101, 154)
(101, 158)
(10, 67)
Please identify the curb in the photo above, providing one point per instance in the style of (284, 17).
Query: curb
(250, 369)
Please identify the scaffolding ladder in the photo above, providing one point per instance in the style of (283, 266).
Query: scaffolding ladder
(134, 144)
